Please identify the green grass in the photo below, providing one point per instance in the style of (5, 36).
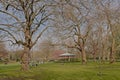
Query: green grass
(66, 71)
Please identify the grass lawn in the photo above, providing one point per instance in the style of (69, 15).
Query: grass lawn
(66, 71)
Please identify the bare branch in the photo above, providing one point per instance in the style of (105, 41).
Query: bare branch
(39, 36)
(9, 33)
(16, 18)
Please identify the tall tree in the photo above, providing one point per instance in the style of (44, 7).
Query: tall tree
(24, 21)
(108, 15)
(74, 21)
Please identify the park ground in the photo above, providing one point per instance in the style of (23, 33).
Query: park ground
(62, 71)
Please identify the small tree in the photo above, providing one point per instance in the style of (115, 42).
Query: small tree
(3, 53)
(46, 49)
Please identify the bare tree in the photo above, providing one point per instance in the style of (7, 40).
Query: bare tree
(107, 14)
(76, 19)
(24, 21)
(75, 22)
(46, 48)
(3, 53)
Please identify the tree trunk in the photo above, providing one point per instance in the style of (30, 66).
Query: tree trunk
(25, 59)
(112, 52)
(108, 56)
(111, 56)
(103, 55)
(83, 55)
(94, 56)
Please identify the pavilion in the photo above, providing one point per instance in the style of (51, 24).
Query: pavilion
(67, 56)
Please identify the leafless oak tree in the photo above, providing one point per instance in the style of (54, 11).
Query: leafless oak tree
(109, 13)
(24, 21)
(75, 22)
